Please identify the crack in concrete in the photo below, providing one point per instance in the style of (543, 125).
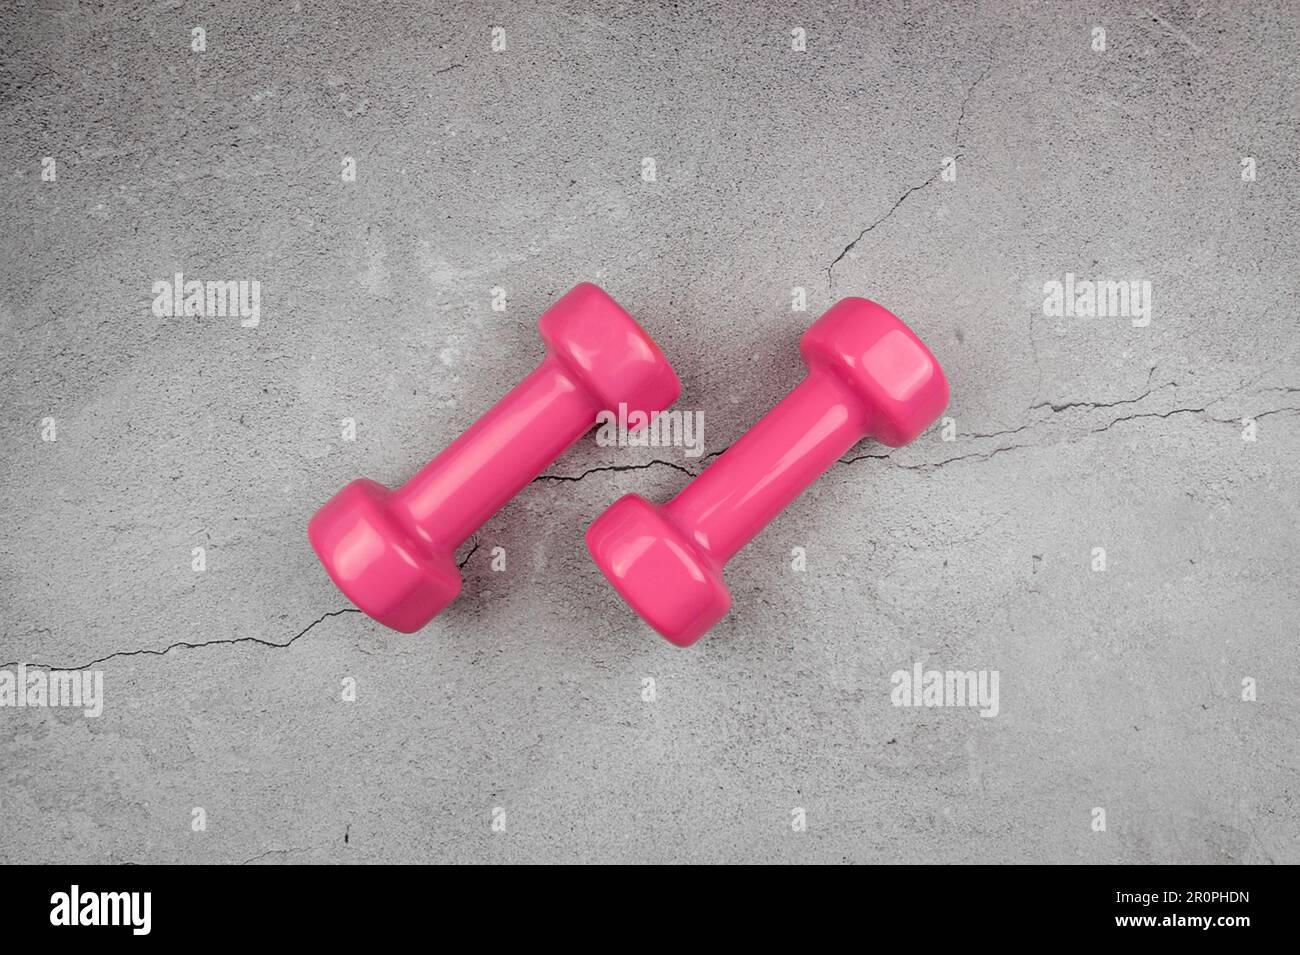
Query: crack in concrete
(1100, 404)
(187, 646)
(1106, 404)
(978, 456)
(1262, 414)
(270, 852)
(998, 434)
(956, 137)
(830, 277)
(612, 467)
(1148, 414)
(630, 467)
(866, 457)
(460, 564)
(961, 116)
(1169, 414)
(985, 455)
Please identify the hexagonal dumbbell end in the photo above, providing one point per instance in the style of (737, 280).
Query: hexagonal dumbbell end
(391, 552)
(900, 384)
(675, 587)
(378, 564)
(868, 375)
(607, 351)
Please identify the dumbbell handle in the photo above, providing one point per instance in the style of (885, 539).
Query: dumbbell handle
(770, 465)
(454, 494)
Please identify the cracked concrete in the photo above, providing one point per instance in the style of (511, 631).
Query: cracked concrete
(830, 274)
(148, 651)
(226, 690)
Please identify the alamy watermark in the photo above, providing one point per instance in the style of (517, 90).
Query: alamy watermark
(637, 429)
(1098, 298)
(920, 687)
(82, 689)
(130, 909)
(182, 298)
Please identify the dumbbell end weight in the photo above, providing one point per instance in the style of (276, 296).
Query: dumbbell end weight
(898, 382)
(664, 577)
(376, 563)
(605, 349)
(671, 574)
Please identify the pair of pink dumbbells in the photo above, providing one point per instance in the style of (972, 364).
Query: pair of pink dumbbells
(391, 552)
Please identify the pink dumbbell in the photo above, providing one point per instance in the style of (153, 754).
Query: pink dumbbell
(391, 552)
(867, 375)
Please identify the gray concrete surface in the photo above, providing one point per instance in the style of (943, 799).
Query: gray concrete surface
(1120, 689)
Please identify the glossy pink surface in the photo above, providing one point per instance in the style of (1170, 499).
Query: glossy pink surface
(391, 552)
(868, 375)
